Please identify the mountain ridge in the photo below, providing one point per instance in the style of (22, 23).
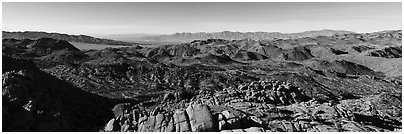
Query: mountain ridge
(230, 35)
(61, 36)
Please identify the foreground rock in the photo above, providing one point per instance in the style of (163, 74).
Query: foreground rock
(201, 119)
(237, 113)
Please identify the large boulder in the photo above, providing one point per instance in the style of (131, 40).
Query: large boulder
(201, 119)
(167, 124)
(148, 125)
(120, 109)
(232, 120)
(110, 126)
(251, 129)
(181, 121)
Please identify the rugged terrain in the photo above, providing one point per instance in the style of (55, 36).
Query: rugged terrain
(340, 82)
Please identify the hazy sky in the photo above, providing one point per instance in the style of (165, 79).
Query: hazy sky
(167, 18)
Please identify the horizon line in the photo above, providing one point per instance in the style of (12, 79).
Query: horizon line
(94, 34)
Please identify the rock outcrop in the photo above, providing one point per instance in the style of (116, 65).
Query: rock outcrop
(387, 52)
(271, 92)
(286, 110)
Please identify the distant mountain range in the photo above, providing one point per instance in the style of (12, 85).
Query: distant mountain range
(71, 38)
(227, 35)
(123, 36)
(134, 39)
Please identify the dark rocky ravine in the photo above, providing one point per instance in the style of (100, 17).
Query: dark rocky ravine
(36, 101)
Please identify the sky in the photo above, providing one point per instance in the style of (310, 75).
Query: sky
(168, 18)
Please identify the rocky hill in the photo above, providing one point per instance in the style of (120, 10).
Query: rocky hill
(344, 82)
(38, 47)
(71, 38)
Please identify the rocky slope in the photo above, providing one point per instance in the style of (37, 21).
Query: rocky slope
(324, 83)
